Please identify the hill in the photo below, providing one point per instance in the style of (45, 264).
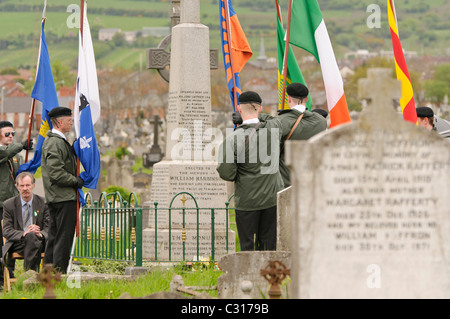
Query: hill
(424, 27)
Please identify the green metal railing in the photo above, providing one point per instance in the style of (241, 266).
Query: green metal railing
(170, 211)
(110, 228)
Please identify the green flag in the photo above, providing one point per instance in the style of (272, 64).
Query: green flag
(293, 71)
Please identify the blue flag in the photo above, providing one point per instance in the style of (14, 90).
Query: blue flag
(87, 150)
(44, 90)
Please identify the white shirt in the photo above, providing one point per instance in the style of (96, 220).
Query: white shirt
(300, 108)
(251, 121)
(55, 131)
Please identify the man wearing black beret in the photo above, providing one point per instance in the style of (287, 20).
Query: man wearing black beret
(249, 157)
(9, 164)
(59, 174)
(425, 118)
(297, 122)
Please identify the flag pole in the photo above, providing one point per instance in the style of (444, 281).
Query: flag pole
(77, 231)
(77, 227)
(227, 19)
(278, 11)
(286, 53)
(33, 101)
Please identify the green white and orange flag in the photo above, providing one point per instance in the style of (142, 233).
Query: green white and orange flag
(407, 103)
(293, 73)
(309, 32)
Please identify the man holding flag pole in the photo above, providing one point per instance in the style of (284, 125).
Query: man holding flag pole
(86, 113)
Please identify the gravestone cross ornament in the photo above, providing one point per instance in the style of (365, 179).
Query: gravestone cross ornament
(159, 59)
(155, 155)
(379, 88)
(49, 278)
(275, 272)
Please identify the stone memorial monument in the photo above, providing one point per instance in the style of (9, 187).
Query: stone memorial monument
(372, 206)
(189, 164)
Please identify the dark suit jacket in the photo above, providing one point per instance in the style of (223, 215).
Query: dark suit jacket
(12, 219)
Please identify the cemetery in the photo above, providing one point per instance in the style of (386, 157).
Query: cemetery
(367, 214)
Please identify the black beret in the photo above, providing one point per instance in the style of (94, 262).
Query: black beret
(60, 111)
(424, 111)
(5, 124)
(297, 90)
(250, 97)
(321, 112)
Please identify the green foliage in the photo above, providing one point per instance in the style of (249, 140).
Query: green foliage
(439, 87)
(121, 152)
(12, 71)
(125, 193)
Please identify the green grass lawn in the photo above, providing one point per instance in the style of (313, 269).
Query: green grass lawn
(156, 281)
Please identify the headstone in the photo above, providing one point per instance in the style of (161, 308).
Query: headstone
(372, 207)
(190, 162)
(284, 219)
(246, 266)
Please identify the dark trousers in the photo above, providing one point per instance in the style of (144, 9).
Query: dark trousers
(1, 245)
(30, 247)
(257, 230)
(63, 220)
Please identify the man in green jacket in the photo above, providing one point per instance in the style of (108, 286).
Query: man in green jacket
(59, 174)
(297, 123)
(249, 157)
(9, 164)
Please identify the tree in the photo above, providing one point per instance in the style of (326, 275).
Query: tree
(439, 87)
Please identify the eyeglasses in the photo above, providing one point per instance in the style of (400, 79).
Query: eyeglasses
(7, 134)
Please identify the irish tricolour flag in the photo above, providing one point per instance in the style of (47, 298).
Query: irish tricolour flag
(308, 31)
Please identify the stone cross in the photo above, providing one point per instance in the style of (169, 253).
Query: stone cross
(275, 272)
(379, 88)
(49, 277)
(159, 59)
(155, 155)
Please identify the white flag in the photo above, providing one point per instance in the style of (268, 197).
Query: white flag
(87, 83)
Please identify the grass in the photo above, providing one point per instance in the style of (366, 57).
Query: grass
(156, 281)
(197, 274)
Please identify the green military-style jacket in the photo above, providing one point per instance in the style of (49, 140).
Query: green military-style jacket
(59, 168)
(311, 124)
(9, 164)
(256, 176)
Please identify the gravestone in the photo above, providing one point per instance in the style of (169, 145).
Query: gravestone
(189, 164)
(284, 219)
(246, 266)
(372, 207)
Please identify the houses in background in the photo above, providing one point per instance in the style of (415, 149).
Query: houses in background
(15, 104)
(130, 36)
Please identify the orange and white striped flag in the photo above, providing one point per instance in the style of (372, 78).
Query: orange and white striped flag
(310, 33)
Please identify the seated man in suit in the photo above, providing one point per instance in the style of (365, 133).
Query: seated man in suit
(25, 223)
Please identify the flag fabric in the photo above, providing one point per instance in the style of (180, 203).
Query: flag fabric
(240, 49)
(44, 90)
(87, 111)
(407, 103)
(311, 35)
(293, 73)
